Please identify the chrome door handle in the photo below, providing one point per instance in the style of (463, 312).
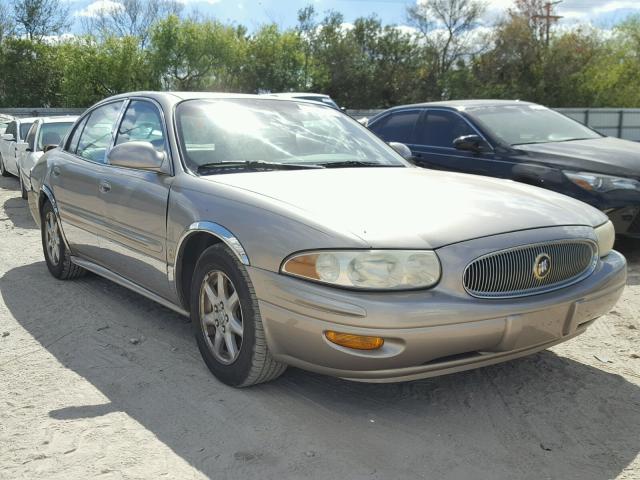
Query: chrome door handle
(104, 187)
(56, 170)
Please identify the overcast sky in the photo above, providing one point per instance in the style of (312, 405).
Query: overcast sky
(252, 13)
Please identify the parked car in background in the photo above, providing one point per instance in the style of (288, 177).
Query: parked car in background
(294, 236)
(45, 133)
(10, 142)
(313, 97)
(525, 142)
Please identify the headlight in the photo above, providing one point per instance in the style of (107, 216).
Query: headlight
(606, 235)
(594, 182)
(369, 269)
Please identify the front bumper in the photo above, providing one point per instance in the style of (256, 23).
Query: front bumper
(426, 333)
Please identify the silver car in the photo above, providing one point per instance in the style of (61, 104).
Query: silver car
(44, 134)
(291, 235)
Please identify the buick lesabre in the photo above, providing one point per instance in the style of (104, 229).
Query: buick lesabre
(291, 235)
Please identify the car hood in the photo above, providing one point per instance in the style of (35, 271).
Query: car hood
(607, 155)
(412, 207)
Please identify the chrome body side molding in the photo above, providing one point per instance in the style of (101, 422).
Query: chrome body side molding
(114, 277)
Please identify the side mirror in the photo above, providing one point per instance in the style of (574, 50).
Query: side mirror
(46, 148)
(140, 155)
(8, 137)
(402, 149)
(471, 143)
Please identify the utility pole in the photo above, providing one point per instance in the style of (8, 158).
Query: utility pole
(548, 18)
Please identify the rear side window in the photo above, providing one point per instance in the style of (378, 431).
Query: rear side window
(397, 127)
(73, 142)
(441, 128)
(96, 135)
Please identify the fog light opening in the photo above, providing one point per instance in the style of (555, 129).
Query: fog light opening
(357, 342)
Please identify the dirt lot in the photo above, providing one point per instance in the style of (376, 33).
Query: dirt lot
(96, 381)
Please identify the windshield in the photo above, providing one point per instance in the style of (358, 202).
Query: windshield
(275, 131)
(523, 124)
(24, 129)
(52, 133)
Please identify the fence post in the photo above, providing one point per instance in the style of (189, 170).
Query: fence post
(586, 117)
(620, 119)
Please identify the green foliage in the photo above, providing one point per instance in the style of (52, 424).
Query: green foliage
(362, 65)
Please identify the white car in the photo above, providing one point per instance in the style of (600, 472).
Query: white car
(45, 133)
(4, 122)
(10, 142)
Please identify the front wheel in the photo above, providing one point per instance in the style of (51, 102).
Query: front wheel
(227, 323)
(3, 170)
(23, 191)
(56, 254)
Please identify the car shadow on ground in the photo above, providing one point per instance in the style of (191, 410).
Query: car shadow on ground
(17, 211)
(544, 416)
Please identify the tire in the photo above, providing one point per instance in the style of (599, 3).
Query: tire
(23, 191)
(237, 301)
(3, 171)
(56, 254)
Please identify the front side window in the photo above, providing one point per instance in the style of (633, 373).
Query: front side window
(52, 134)
(440, 128)
(31, 136)
(142, 123)
(211, 132)
(397, 127)
(96, 135)
(525, 124)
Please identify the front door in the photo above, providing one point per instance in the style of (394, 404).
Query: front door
(133, 239)
(434, 135)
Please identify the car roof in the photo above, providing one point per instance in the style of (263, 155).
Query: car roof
(462, 104)
(59, 119)
(299, 94)
(176, 97)
(26, 119)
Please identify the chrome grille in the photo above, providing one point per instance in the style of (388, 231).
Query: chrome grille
(510, 273)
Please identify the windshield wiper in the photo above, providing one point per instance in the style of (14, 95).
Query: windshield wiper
(254, 165)
(355, 163)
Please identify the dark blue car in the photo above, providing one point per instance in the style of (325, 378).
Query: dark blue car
(524, 142)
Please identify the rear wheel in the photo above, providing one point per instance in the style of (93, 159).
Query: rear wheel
(227, 323)
(56, 254)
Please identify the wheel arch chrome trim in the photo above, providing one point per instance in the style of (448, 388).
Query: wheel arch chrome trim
(211, 228)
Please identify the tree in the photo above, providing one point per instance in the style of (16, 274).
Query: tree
(274, 61)
(95, 70)
(29, 73)
(6, 24)
(39, 18)
(130, 18)
(192, 55)
(447, 28)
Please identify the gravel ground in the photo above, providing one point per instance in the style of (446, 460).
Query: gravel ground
(96, 381)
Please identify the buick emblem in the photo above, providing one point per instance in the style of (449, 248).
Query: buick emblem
(542, 266)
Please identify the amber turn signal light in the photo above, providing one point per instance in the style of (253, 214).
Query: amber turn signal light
(358, 342)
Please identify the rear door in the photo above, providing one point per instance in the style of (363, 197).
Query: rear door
(434, 135)
(133, 237)
(75, 179)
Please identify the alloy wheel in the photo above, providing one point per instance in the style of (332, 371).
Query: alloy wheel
(221, 317)
(52, 238)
